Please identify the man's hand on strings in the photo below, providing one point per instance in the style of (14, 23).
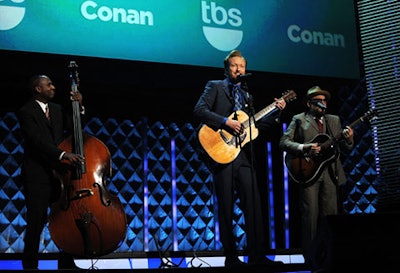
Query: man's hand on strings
(235, 125)
(311, 149)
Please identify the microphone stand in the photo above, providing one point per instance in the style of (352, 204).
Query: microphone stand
(238, 142)
(251, 117)
(165, 262)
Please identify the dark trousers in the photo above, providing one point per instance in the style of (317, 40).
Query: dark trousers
(239, 176)
(37, 198)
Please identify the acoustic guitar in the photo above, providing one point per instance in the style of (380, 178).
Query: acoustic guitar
(224, 147)
(307, 169)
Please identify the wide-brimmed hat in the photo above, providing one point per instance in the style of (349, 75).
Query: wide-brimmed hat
(315, 91)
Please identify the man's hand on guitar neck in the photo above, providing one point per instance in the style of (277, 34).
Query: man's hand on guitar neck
(348, 134)
(280, 103)
(310, 149)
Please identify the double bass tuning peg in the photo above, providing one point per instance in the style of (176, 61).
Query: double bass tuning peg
(73, 67)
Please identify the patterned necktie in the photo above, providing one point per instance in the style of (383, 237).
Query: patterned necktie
(236, 96)
(47, 112)
(320, 125)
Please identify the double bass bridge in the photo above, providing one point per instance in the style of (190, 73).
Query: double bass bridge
(82, 194)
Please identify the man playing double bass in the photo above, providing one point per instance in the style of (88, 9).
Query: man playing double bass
(43, 125)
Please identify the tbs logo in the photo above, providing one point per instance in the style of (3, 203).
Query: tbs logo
(221, 26)
(11, 15)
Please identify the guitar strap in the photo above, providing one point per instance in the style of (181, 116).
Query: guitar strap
(333, 173)
(296, 135)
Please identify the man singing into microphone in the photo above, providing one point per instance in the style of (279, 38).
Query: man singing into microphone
(320, 197)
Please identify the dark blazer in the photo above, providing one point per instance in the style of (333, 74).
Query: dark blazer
(217, 102)
(41, 138)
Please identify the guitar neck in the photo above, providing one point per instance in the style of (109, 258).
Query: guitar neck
(271, 108)
(364, 118)
(267, 110)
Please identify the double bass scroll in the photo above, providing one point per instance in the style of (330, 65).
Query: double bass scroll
(87, 220)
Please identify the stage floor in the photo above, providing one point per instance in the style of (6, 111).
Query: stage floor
(291, 263)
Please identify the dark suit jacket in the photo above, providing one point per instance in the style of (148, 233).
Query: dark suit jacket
(41, 138)
(217, 102)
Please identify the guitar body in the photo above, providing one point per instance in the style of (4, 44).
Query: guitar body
(222, 146)
(307, 170)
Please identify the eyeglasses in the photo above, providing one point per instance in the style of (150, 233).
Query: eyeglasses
(318, 100)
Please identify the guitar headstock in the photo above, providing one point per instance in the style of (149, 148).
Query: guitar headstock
(366, 117)
(369, 115)
(289, 95)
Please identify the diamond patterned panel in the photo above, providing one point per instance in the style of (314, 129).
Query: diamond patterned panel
(164, 185)
(195, 211)
(360, 190)
(159, 177)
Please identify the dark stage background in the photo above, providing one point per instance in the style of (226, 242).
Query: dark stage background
(132, 89)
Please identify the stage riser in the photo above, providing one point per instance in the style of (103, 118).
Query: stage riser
(365, 240)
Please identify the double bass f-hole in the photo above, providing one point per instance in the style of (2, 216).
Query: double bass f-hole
(78, 136)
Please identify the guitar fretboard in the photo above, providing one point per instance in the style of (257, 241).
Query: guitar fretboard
(270, 108)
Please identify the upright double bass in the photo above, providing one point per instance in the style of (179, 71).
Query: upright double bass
(87, 220)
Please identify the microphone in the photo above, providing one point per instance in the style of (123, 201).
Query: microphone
(242, 77)
(319, 104)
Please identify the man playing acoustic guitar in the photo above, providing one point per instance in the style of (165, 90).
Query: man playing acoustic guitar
(312, 141)
(224, 109)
